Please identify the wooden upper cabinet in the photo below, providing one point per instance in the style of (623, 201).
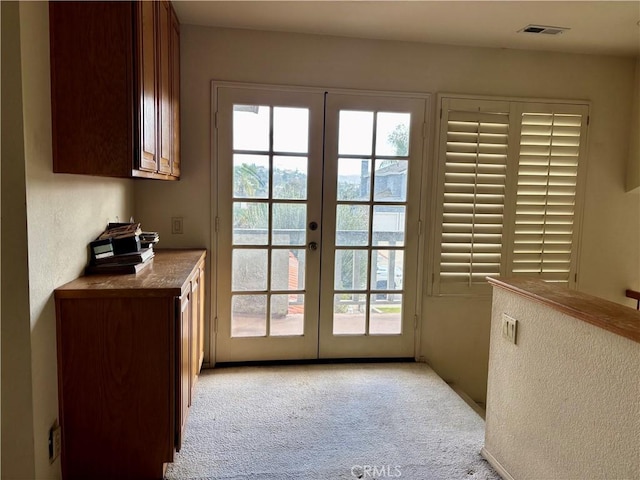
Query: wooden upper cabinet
(113, 89)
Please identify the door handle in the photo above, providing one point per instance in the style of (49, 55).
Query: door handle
(313, 246)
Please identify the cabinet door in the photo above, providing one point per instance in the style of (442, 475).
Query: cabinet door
(184, 375)
(175, 94)
(115, 386)
(92, 91)
(147, 13)
(164, 84)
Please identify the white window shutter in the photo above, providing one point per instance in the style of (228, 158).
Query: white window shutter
(546, 213)
(509, 185)
(473, 166)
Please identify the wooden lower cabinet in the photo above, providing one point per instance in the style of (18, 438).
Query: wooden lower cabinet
(129, 352)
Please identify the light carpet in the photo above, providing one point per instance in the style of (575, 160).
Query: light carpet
(344, 421)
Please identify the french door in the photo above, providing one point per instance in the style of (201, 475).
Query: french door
(317, 223)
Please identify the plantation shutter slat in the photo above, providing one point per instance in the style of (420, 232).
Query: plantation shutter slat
(475, 159)
(545, 208)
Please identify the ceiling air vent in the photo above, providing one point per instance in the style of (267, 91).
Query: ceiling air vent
(543, 29)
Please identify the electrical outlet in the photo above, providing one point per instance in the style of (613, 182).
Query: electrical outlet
(55, 442)
(176, 226)
(509, 328)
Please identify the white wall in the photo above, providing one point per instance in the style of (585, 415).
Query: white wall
(455, 331)
(562, 402)
(63, 213)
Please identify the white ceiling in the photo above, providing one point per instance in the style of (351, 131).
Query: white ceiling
(599, 27)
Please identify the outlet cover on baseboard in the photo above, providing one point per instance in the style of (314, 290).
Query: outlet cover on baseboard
(55, 442)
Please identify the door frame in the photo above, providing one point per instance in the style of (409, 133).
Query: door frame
(425, 214)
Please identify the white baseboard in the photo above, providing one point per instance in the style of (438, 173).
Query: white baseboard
(495, 464)
(462, 394)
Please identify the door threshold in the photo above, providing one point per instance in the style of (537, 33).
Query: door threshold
(313, 361)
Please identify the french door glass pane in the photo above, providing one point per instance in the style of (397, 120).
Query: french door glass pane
(352, 225)
(290, 129)
(287, 314)
(351, 269)
(387, 261)
(251, 127)
(349, 314)
(250, 176)
(355, 134)
(250, 223)
(354, 179)
(386, 314)
(388, 225)
(288, 269)
(289, 224)
(249, 269)
(391, 181)
(248, 315)
(290, 178)
(392, 134)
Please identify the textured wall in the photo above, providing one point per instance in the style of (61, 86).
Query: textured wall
(455, 331)
(64, 213)
(563, 402)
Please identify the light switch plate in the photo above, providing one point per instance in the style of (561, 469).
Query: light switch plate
(509, 328)
(176, 226)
